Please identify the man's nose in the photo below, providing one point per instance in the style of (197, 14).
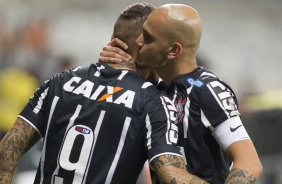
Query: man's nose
(139, 41)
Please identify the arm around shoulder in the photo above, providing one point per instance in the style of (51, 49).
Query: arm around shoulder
(15, 143)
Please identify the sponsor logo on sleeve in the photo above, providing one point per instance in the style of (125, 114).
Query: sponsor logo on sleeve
(196, 83)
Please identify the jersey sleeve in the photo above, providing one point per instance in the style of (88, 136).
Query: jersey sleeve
(217, 103)
(162, 132)
(230, 131)
(219, 112)
(35, 110)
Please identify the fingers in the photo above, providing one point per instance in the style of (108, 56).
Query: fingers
(114, 52)
(110, 60)
(111, 54)
(112, 49)
(116, 42)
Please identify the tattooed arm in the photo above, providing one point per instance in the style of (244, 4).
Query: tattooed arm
(240, 176)
(172, 170)
(15, 143)
(246, 164)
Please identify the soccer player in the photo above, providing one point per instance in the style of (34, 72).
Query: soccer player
(99, 124)
(211, 134)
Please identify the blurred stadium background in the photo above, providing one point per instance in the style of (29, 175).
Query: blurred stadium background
(241, 43)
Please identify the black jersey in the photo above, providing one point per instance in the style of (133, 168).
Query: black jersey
(203, 102)
(99, 126)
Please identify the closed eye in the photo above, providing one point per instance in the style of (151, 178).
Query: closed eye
(147, 37)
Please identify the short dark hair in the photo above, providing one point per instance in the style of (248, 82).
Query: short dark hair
(133, 18)
(136, 11)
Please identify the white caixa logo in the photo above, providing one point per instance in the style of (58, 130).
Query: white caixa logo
(173, 129)
(226, 97)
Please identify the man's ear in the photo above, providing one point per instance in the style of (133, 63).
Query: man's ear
(174, 50)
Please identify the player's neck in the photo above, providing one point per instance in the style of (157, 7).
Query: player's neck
(124, 66)
(176, 68)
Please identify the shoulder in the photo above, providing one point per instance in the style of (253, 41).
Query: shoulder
(211, 83)
(216, 94)
(72, 72)
(207, 77)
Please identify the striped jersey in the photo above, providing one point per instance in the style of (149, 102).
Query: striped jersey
(99, 125)
(204, 104)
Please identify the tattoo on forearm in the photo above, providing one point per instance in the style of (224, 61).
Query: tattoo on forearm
(172, 170)
(171, 160)
(5, 178)
(14, 144)
(239, 176)
(196, 180)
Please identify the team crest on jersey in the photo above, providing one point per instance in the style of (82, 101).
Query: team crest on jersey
(180, 106)
(196, 83)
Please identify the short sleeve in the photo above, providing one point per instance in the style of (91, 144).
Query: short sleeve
(162, 132)
(35, 110)
(217, 102)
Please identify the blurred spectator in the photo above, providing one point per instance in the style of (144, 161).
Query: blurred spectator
(17, 86)
(34, 48)
(35, 35)
(270, 99)
(26, 47)
(7, 44)
(262, 114)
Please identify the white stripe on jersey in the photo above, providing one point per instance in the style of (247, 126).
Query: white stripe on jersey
(53, 106)
(149, 132)
(209, 74)
(175, 94)
(76, 68)
(205, 120)
(119, 149)
(38, 107)
(218, 100)
(146, 84)
(98, 125)
(167, 116)
(31, 124)
(71, 122)
(96, 133)
(164, 153)
(123, 73)
(74, 116)
(185, 119)
(186, 113)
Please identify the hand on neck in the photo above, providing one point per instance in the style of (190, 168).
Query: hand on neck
(127, 65)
